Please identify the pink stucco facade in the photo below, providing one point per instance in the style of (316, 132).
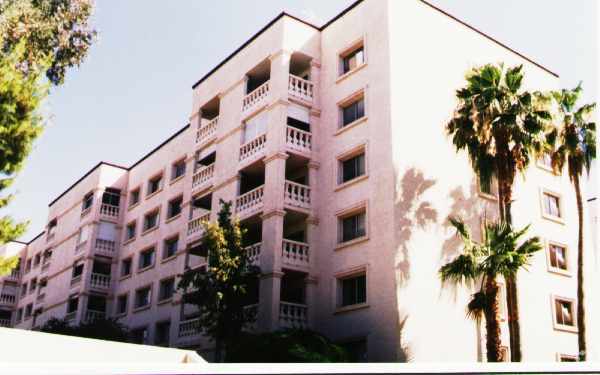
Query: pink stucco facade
(344, 178)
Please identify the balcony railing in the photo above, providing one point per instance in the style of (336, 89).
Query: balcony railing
(195, 224)
(254, 253)
(109, 210)
(206, 131)
(295, 253)
(106, 246)
(298, 139)
(5, 323)
(255, 96)
(250, 201)
(203, 175)
(297, 195)
(92, 315)
(7, 299)
(99, 280)
(301, 88)
(189, 327)
(15, 275)
(293, 315)
(253, 147)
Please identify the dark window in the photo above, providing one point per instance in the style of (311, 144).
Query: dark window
(72, 305)
(96, 303)
(564, 312)
(134, 197)
(353, 60)
(161, 336)
(139, 335)
(111, 196)
(142, 297)
(77, 269)
(174, 207)
(178, 169)
(28, 310)
(146, 258)
(23, 289)
(150, 220)
(88, 200)
(154, 184)
(36, 259)
(28, 265)
(170, 247)
(353, 111)
(558, 257)
(353, 227)
(19, 315)
(167, 287)
(353, 167)
(130, 231)
(354, 290)
(122, 304)
(126, 267)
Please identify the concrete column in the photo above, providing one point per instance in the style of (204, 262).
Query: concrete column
(311, 300)
(268, 307)
(280, 73)
(311, 238)
(315, 78)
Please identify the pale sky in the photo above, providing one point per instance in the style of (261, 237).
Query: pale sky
(134, 89)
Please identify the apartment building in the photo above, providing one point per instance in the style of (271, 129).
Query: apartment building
(330, 143)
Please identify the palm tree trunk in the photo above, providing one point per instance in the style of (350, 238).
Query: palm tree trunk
(492, 322)
(580, 293)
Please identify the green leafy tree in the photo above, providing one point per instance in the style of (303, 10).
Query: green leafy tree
(101, 329)
(574, 144)
(499, 254)
(220, 290)
(502, 128)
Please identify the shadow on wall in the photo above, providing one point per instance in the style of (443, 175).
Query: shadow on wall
(411, 211)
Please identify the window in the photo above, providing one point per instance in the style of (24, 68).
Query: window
(167, 288)
(150, 220)
(28, 265)
(352, 59)
(77, 269)
(353, 290)
(51, 228)
(36, 259)
(126, 267)
(88, 200)
(111, 196)
(82, 236)
(356, 349)
(23, 289)
(563, 312)
(177, 169)
(19, 315)
(352, 167)
(33, 285)
(490, 188)
(352, 226)
(170, 247)
(146, 258)
(162, 333)
(130, 231)
(353, 111)
(174, 208)
(551, 205)
(558, 257)
(134, 197)
(47, 256)
(139, 335)
(142, 297)
(28, 311)
(72, 305)
(154, 185)
(122, 304)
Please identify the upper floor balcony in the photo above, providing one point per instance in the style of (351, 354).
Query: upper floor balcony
(301, 88)
(204, 171)
(250, 202)
(109, 211)
(200, 208)
(208, 122)
(100, 276)
(105, 247)
(7, 299)
(293, 315)
(14, 275)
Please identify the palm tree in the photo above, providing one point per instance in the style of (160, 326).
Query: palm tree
(497, 255)
(502, 128)
(574, 140)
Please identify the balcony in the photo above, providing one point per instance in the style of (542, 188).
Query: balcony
(254, 253)
(298, 140)
(202, 176)
(253, 147)
(297, 195)
(15, 275)
(293, 315)
(109, 211)
(92, 315)
(195, 225)
(100, 281)
(7, 299)
(207, 131)
(5, 323)
(189, 330)
(295, 253)
(301, 88)
(250, 202)
(106, 247)
(255, 97)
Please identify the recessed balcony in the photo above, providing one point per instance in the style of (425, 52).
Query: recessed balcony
(5, 323)
(299, 140)
(250, 203)
(7, 299)
(15, 275)
(93, 315)
(253, 149)
(293, 315)
(195, 224)
(207, 131)
(297, 195)
(295, 253)
(99, 281)
(300, 88)
(189, 331)
(253, 252)
(202, 177)
(105, 247)
(109, 211)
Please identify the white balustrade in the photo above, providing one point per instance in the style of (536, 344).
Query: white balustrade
(106, 246)
(195, 224)
(109, 210)
(301, 88)
(7, 299)
(295, 253)
(5, 323)
(92, 315)
(203, 175)
(255, 96)
(253, 253)
(207, 130)
(293, 315)
(297, 194)
(253, 147)
(189, 327)
(250, 200)
(299, 139)
(99, 280)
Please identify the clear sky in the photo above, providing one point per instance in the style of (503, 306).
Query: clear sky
(134, 89)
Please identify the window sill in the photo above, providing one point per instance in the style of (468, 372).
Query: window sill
(556, 219)
(142, 270)
(125, 277)
(353, 242)
(176, 179)
(564, 328)
(351, 125)
(126, 242)
(149, 230)
(132, 206)
(173, 218)
(345, 309)
(120, 314)
(165, 301)
(153, 194)
(169, 258)
(142, 308)
(351, 182)
(350, 72)
(561, 272)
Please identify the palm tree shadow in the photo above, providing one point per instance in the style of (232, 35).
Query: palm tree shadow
(411, 212)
